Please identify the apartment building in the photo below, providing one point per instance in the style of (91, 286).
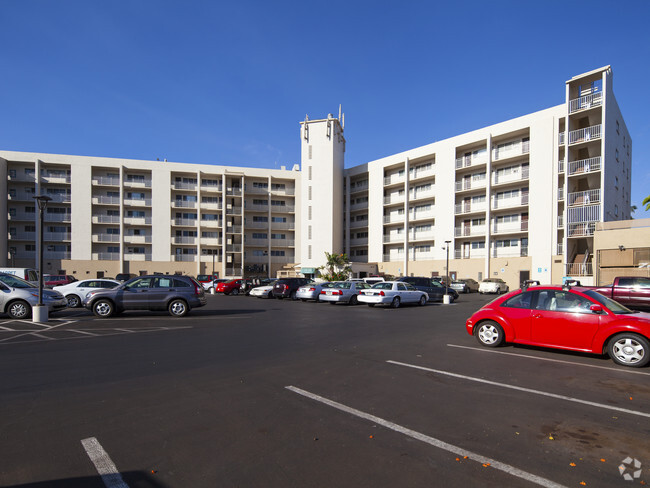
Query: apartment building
(519, 199)
(108, 216)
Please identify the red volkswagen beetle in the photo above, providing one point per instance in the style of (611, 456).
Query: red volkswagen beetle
(565, 317)
(228, 287)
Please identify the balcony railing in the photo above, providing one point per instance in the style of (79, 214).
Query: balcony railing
(183, 204)
(184, 185)
(560, 138)
(510, 228)
(187, 258)
(581, 229)
(106, 256)
(560, 194)
(144, 183)
(498, 179)
(584, 197)
(586, 102)
(106, 238)
(560, 166)
(358, 187)
(585, 135)
(393, 179)
(184, 240)
(469, 254)
(560, 221)
(584, 166)
(509, 202)
(510, 252)
(106, 180)
(464, 208)
(470, 230)
(467, 161)
(106, 200)
(579, 269)
(469, 184)
(106, 219)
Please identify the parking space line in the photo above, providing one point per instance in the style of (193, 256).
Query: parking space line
(103, 464)
(525, 390)
(482, 349)
(458, 451)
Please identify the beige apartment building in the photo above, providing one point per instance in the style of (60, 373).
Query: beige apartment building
(516, 200)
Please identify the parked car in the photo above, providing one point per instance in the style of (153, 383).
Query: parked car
(392, 293)
(27, 274)
(207, 278)
(631, 291)
(56, 280)
(465, 285)
(343, 292)
(264, 291)
(311, 291)
(75, 292)
(122, 277)
(229, 287)
(288, 287)
(209, 285)
(175, 293)
(493, 285)
(431, 286)
(18, 296)
(567, 318)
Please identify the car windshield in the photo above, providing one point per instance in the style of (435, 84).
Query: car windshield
(614, 306)
(15, 282)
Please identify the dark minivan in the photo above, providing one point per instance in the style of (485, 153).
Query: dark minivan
(175, 293)
(288, 287)
(432, 287)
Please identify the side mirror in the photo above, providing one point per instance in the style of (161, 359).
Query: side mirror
(596, 309)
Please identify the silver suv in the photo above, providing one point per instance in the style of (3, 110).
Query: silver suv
(17, 297)
(174, 293)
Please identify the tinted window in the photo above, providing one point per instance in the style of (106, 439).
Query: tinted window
(181, 283)
(15, 282)
(562, 301)
(523, 300)
(141, 283)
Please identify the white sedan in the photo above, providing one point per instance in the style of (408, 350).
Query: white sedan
(76, 292)
(392, 293)
(265, 291)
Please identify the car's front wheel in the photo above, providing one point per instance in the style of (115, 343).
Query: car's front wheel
(178, 308)
(103, 308)
(19, 309)
(629, 350)
(489, 333)
(73, 301)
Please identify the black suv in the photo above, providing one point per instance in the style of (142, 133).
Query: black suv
(174, 293)
(288, 287)
(433, 288)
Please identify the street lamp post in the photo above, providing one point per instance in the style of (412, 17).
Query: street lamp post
(40, 312)
(447, 272)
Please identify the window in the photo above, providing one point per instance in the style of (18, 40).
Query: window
(257, 184)
(278, 203)
(278, 236)
(258, 201)
(478, 245)
(258, 218)
(523, 300)
(260, 235)
(278, 219)
(135, 178)
(277, 253)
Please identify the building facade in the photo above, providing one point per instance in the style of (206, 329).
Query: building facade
(517, 200)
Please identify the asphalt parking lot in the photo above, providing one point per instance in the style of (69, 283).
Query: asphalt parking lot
(251, 392)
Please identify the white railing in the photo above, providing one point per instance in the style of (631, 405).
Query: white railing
(470, 230)
(136, 256)
(584, 197)
(185, 222)
(583, 214)
(106, 180)
(517, 149)
(211, 187)
(584, 135)
(211, 241)
(560, 193)
(560, 166)
(560, 221)
(106, 219)
(422, 194)
(106, 238)
(463, 208)
(106, 256)
(280, 225)
(183, 204)
(498, 179)
(131, 239)
(467, 161)
(233, 229)
(560, 138)
(184, 239)
(233, 247)
(581, 229)
(584, 166)
(510, 228)
(396, 178)
(233, 210)
(58, 217)
(469, 184)
(509, 202)
(180, 185)
(234, 191)
(579, 269)
(137, 220)
(392, 199)
(560, 248)
(509, 252)
(107, 200)
(188, 258)
(137, 202)
(469, 253)
(585, 102)
(146, 183)
(57, 236)
(393, 238)
(426, 235)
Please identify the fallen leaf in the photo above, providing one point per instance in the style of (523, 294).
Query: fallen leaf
(486, 465)
(551, 437)
(583, 483)
(572, 464)
(602, 460)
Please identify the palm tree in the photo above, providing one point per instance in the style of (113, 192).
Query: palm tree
(337, 267)
(646, 202)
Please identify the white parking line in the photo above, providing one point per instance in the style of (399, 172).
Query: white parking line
(526, 390)
(482, 349)
(103, 463)
(458, 451)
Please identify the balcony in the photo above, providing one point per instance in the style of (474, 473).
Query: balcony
(106, 219)
(581, 229)
(137, 183)
(510, 252)
(585, 135)
(584, 166)
(560, 166)
(518, 148)
(186, 258)
(560, 138)
(106, 238)
(416, 174)
(57, 217)
(394, 179)
(579, 269)
(234, 229)
(425, 235)
(230, 210)
(469, 184)
(211, 241)
(278, 225)
(584, 197)
(184, 222)
(184, 240)
(560, 194)
(55, 178)
(283, 243)
(501, 203)
(467, 161)
(358, 223)
(469, 254)
(586, 102)
(250, 207)
(469, 207)
(510, 228)
(521, 174)
(237, 248)
(105, 200)
(211, 188)
(184, 185)
(560, 222)
(359, 242)
(57, 236)
(470, 231)
(106, 256)
(234, 191)
(23, 177)
(393, 238)
(137, 202)
(137, 257)
(131, 239)
(106, 181)
(137, 220)
(183, 204)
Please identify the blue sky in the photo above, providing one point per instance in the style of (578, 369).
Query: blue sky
(228, 82)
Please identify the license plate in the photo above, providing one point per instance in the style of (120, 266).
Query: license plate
(329, 293)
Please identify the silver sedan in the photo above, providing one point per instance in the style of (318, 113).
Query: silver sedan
(393, 293)
(311, 291)
(343, 292)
